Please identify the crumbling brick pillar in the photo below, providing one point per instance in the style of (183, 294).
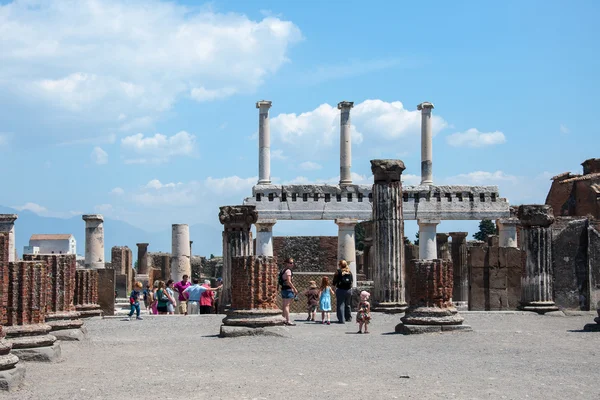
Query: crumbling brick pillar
(537, 278)
(253, 296)
(11, 372)
(237, 240)
(61, 314)
(86, 293)
(431, 308)
(28, 290)
(388, 237)
(460, 262)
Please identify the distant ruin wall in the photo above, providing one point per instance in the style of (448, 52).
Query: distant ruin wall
(311, 253)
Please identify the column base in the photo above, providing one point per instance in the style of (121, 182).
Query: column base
(419, 320)
(89, 310)
(419, 329)
(72, 335)
(540, 307)
(254, 318)
(42, 354)
(240, 331)
(461, 305)
(390, 308)
(11, 378)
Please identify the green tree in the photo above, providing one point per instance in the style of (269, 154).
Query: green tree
(135, 265)
(359, 237)
(417, 239)
(486, 227)
(212, 256)
(407, 240)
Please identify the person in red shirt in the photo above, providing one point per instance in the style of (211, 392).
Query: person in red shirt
(180, 287)
(206, 299)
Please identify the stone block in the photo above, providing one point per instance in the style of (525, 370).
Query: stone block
(497, 277)
(477, 256)
(11, 379)
(70, 334)
(239, 331)
(106, 291)
(42, 354)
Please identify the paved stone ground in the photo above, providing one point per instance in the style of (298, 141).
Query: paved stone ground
(512, 356)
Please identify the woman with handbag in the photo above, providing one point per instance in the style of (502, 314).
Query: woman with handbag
(343, 280)
(162, 296)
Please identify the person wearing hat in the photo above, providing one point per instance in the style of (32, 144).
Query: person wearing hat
(312, 300)
(217, 299)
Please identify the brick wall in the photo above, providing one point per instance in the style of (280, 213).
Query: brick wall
(4, 277)
(431, 284)
(495, 277)
(3, 247)
(61, 272)
(311, 253)
(27, 298)
(86, 287)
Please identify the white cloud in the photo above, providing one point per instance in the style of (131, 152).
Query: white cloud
(481, 178)
(99, 156)
(104, 208)
(310, 166)
(410, 179)
(278, 155)
(473, 138)
(231, 184)
(117, 191)
(564, 129)
(33, 207)
(156, 184)
(114, 57)
(158, 148)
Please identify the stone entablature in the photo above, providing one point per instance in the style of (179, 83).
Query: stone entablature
(327, 202)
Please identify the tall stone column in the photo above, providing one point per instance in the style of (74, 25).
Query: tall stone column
(142, 258)
(7, 224)
(345, 142)
(237, 241)
(442, 248)
(427, 239)
(264, 143)
(507, 232)
(460, 293)
(537, 278)
(94, 240)
(346, 244)
(180, 252)
(431, 308)
(426, 145)
(264, 237)
(388, 237)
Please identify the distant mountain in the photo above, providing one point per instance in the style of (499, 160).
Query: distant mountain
(207, 239)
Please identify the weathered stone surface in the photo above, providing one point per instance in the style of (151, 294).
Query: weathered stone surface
(536, 215)
(42, 354)
(5, 347)
(387, 171)
(417, 329)
(70, 334)
(26, 330)
(254, 318)
(58, 325)
(311, 253)
(239, 331)
(8, 361)
(106, 290)
(25, 342)
(11, 379)
(67, 315)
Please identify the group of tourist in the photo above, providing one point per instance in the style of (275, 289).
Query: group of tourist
(192, 298)
(320, 297)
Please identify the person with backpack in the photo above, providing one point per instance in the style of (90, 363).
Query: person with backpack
(288, 290)
(343, 280)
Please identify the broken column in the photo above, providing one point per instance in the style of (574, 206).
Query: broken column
(94, 240)
(264, 143)
(264, 237)
(142, 258)
(11, 371)
(237, 241)
(61, 315)
(346, 244)
(345, 142)
(253, 309)
(431, 308)
(388, 237)
(26, 330)
(460, 293)
(86, 293)
(7, 224)
(442, 248)
(427, 239)
(426, 145)
(180, 252)
(537, 277)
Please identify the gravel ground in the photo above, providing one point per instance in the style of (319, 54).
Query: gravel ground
(508, 356)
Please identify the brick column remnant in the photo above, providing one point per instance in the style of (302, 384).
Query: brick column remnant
(94, 240)
(460, 262)
(180, 252)
(537, 277)
(28, 289)
(431, 308)
(237, 240)
(86, 293)
(388, 237)
(345, 142)
(7, 225)
(11, 372)
(426, 145)
(264, 143)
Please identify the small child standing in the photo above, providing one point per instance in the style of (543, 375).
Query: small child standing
(134, 301)
(325, 300)
(363, 316)
(312, 300)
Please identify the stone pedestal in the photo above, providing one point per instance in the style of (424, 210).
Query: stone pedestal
(86, 293)
(537, 277)
(460, 262)
(431, 308)
(388, 237)
(237, 241)
(593, 327)
(264, 237)
(253, 293)
(7, 225)
(347, 244)
(94, 241)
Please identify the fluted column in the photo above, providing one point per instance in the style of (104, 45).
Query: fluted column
(264, 143)
(7, 224)
(346, 244)
(426, 145)
(428, 239)
(237, 240)
(460, 293)
(94, 240)
(388, 236)
(537, 277)
(264, 237)
(345, 142)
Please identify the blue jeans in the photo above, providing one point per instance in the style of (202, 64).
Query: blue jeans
(135, 307)
(287, 294)
(343, 300)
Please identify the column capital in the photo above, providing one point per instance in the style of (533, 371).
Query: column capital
(536, 215)
(142, 244)
(387, 170)
(92, 217)
(458, 235)
(345, 105)
(346, 222)
(264, 104)
(428, 222)
(242, 216)
(8, 218)
(425, 107)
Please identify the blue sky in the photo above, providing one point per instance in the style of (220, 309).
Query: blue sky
(144, 111)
